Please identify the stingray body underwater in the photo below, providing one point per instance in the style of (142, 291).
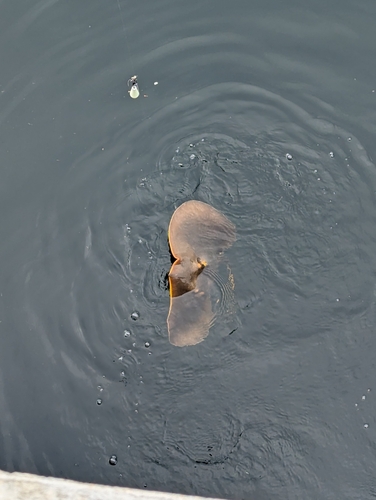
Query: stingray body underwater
(198, 234)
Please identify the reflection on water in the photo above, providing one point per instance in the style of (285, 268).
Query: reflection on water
(257, 113)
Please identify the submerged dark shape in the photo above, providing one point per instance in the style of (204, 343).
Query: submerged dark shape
(198, 234)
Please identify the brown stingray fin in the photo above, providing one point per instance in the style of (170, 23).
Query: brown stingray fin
(198, 234)
(191, 315)
(199, 228)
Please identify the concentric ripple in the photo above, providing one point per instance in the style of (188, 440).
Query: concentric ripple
(295, 186)
(202, 434)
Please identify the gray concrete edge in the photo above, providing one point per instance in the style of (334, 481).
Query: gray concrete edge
(18, 485)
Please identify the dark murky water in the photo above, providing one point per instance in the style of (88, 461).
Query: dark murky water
(265, 110)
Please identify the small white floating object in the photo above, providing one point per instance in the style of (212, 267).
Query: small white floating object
(132, 82)
(156, 83)
(134, 92)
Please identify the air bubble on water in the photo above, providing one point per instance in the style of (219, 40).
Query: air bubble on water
(337, 300)
(349, 139)
(99, 401)
(363, 397)
(202, 140)
(319, 178)
(113, 460)
(315, 171)
(100, 388)
(288, 156)
(135, 315)
(127, 333)
(192, 157)
(147, 344)
(331, 154)
(122, 373)
(368, 390)
(149, 353)
(356, 405)
(134, 344)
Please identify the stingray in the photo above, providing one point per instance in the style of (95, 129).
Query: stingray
(198, 234)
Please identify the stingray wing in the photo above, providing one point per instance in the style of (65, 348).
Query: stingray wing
(198, 228)
(191, 314)
(198, 234)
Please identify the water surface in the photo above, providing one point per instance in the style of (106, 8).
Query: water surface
(265, 110)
